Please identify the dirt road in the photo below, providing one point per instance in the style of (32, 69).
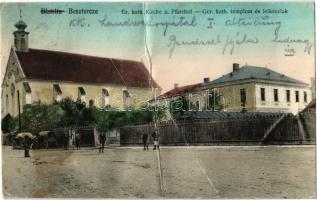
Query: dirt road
(205, 172)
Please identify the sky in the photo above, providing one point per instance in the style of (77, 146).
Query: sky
(252, 35)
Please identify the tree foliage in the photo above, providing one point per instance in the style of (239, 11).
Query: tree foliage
(8, 124)
(178, 105)
(36, 118)
(110, 119)
(68, 113)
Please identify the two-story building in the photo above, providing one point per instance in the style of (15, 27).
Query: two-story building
(259, 89)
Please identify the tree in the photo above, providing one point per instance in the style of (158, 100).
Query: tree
(107, 120)
(178, 105)
(8, 124)
(40, 117)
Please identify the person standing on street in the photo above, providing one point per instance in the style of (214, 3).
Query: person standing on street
(102, 139)
(156, 136)
(145, 139)
(26, 145)
(65, 141)
(77, 140)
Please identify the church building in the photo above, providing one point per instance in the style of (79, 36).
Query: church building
(35, 76)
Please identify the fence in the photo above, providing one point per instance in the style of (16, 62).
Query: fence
(258, 129)
(86, 133)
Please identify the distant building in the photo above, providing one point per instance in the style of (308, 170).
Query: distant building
(190, 93)
(34, 75)
(259, 89)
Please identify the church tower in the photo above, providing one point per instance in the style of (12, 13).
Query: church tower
(21, 42)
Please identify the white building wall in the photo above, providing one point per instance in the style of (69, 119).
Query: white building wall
(269, 105)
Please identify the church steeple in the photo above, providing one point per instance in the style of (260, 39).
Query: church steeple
(21, 42)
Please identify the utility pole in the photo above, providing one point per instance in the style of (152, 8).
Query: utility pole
(18, 95)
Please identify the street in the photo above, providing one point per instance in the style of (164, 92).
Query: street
(186, 172)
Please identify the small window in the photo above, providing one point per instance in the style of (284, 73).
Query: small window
(243, 97)
(105, 92)
(27, 87)
(105, 95)
(91, 103)
(262, 94)
(276, 95)
(22, 42)
(7, 101)
(126, 99)
(296, 96)
(57, 92)
(305, 96)
(126, 93)
(57, 89)
(81, 94)
(288, 96)
(81, 91)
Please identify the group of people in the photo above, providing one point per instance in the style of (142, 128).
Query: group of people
(102, 140)
(155, 135)
(77, 139)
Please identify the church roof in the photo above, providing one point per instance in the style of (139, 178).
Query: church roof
(255, 73)
(62, 66)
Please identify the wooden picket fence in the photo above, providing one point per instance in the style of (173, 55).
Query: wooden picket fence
(256, 130)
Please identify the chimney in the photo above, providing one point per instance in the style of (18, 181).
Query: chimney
(235, 67)
(206, 80)
(175, 85)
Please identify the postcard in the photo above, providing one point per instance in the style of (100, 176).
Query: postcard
(158, 100)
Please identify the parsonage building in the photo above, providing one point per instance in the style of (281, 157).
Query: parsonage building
(41, 76)
(248, 88)
(260, 89)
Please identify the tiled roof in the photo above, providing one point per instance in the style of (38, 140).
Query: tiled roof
(62, 66)
(181, 90)
(255, 73)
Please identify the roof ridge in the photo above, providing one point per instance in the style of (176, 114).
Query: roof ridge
(250, 72)
(57, 65)
(86, 55)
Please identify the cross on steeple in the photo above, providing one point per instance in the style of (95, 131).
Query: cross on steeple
(20, 13)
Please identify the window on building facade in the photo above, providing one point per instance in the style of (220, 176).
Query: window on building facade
(13, 100)
(288, 96)
(28, 93)
(243, 96)
(275, 95)
(105, 97)
(262, 94)
(305, 96)
(57, 92)
(7, 102)
(91, 103)
(296, 96)
(81, 94)
(22, 42)
(126, 99)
